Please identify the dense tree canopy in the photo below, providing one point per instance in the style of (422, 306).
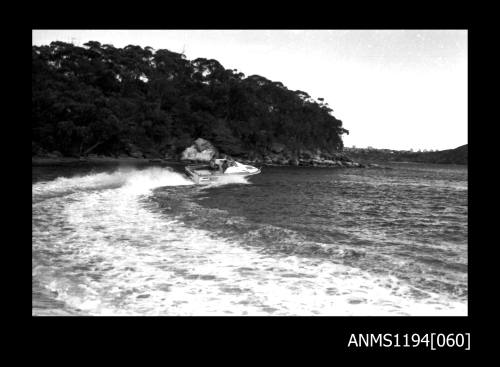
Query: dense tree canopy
(102, 99)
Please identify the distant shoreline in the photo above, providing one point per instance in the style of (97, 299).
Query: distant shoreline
(457, 156)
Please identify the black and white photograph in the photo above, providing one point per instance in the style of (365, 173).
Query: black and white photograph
(249, 172)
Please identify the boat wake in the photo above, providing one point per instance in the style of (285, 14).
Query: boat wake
(228, 180)
(101, 248)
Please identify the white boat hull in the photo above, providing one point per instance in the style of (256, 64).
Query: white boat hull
(204, 174)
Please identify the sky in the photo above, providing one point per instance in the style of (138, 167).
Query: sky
(393, 89)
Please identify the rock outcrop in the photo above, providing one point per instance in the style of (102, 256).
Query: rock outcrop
(276, 155)
(279, 155)
(201, 151)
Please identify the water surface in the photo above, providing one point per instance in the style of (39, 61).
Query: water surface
(290, 241)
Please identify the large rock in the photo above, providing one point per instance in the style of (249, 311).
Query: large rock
(202, 151)
(190, 153)
(202, 145)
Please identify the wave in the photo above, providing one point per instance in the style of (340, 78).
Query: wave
(138, 181)
(227, 180)
(396, 182)
(103, 250)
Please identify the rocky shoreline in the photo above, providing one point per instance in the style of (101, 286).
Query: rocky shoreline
(277, 155)
(202, 151)
(48, 161)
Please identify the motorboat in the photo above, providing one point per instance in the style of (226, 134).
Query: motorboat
(217, 169)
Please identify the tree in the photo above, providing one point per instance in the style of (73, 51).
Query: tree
(98, 98)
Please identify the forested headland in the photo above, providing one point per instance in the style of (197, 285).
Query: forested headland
(140, 102)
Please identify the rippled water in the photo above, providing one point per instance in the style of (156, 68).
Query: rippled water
(290, 241)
